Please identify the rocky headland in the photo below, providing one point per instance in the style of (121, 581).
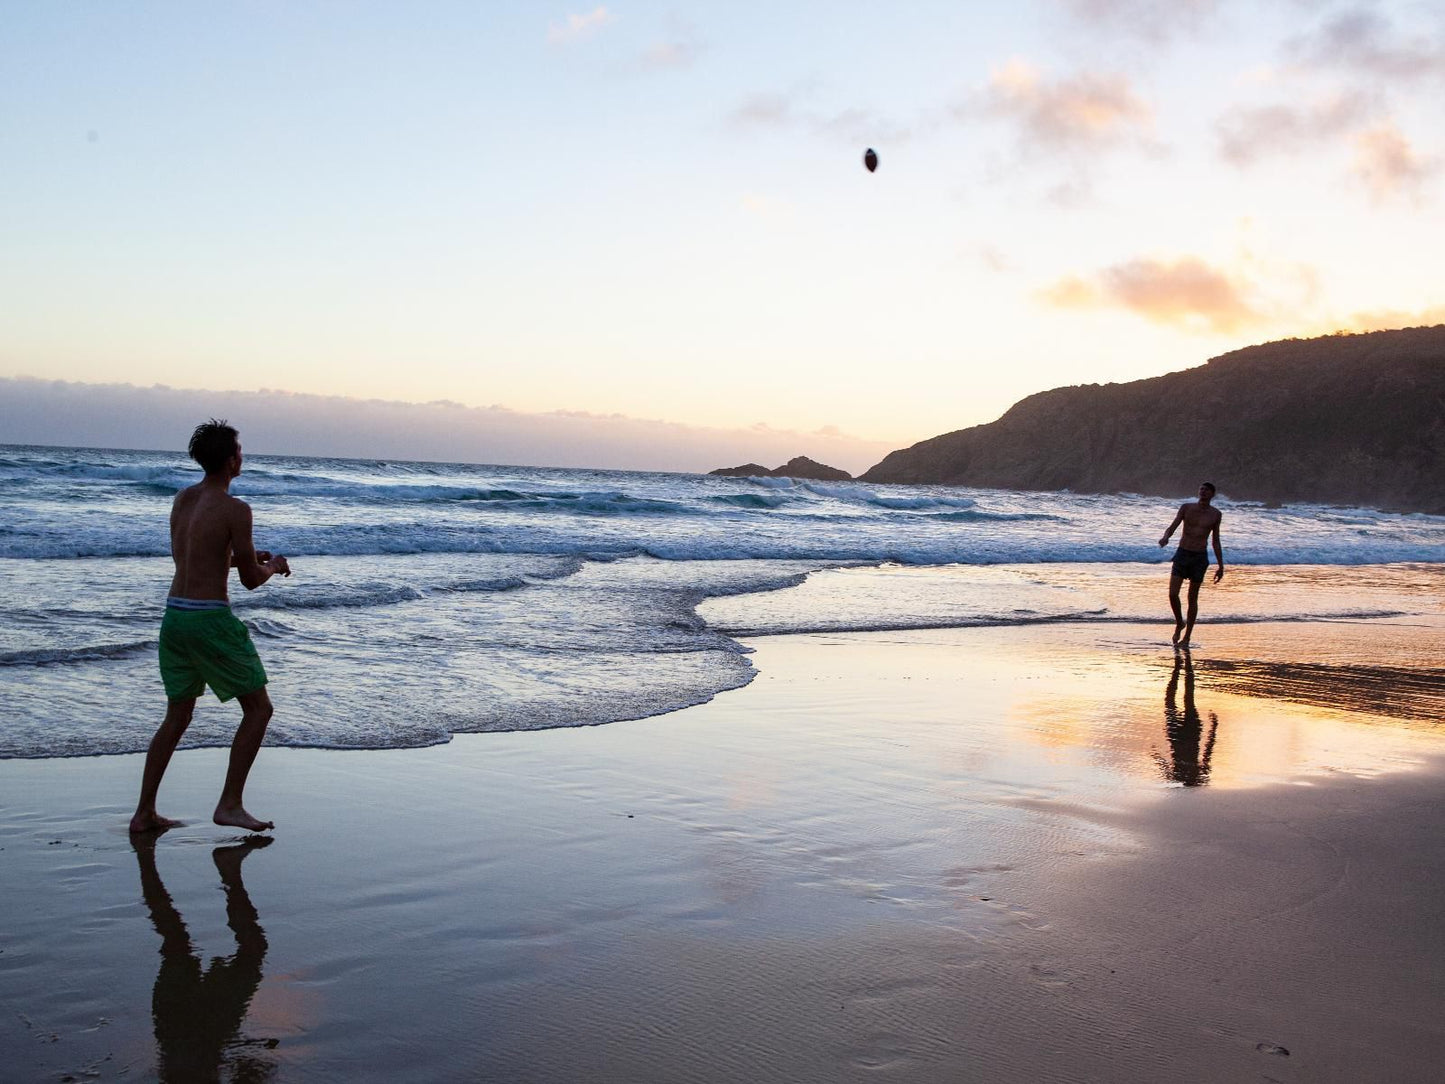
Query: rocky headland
(1342, 419)
(798, 467)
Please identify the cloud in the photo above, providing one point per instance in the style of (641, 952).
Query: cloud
(577, 26)
(679, 49)
(126, 416)
(851, 125)
(1073, 292)
(1365, 41)
(664, 55)
(1147, 19)
(1249, 133)
(1088, 112)
(1185, 292)
(995, 259)
(1390, 319)
(1389, 165)
(764, 110)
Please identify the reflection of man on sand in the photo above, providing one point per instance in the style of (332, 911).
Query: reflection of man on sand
(1185, 731)
(1191, 559)
(198, 1011)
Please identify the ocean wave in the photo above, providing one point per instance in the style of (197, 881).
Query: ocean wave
(974, 515)
(381, 493)
(866, 541)
(51, 656)
(800, 627)
(329, 597)
(857, 494)
(751, 500)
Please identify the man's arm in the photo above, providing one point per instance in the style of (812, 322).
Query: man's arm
(253, 568)
(1218, 553)
(1178, 519)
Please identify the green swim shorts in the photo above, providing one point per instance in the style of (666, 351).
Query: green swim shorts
(208, 647)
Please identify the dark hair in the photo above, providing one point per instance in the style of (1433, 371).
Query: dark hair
(213, 444)
(1209, 486)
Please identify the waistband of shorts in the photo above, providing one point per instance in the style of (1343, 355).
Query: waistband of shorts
(196, 605)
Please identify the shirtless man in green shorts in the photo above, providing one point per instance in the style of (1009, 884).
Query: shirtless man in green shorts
(1191, 560)
(202, 642)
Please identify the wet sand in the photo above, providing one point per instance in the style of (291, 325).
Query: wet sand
(979, 854)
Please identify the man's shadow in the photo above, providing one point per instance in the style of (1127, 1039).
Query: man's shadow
(198, 1010)
(1190, 750)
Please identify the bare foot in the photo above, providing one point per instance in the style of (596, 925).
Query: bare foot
(238, 818)
(1178, 630)
(152, 822)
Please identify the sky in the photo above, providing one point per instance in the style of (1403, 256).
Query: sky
(659, 210)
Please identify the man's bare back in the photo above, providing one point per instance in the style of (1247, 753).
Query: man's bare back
(202, 643)
(206, 523)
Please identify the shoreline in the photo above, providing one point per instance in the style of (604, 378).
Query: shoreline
(1303, 632)
(973, 854)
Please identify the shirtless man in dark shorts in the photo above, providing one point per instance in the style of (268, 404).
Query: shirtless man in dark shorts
(1191, 560)
(202, 642)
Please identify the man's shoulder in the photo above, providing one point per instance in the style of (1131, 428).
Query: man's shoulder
(237, 507)
(210, 503)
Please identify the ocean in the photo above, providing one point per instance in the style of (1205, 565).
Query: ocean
(430, 599)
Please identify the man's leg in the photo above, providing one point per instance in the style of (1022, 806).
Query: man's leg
(163, 744)
(255, 714)
(1193, 610)
(1174, 582)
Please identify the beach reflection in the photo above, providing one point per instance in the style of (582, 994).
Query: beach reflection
(1190, 750)
(198, 1010)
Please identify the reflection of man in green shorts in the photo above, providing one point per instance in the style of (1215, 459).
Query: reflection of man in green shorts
(202, 642)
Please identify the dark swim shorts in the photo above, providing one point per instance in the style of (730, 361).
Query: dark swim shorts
(208, 647)
(1191, 564)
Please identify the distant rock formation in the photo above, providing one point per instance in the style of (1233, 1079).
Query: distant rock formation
(798, 467)
(1343, 419)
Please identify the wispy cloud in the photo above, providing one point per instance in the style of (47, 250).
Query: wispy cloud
(1389, 165)
(576, 26)
(1149, 20)
(1249, 133)
(782, 111)
(1185, 292)
(680, 48)
(663, 55)
(1069, 123)
(1091, 111)
(1365, 41)
(994, 258)
(765, 110)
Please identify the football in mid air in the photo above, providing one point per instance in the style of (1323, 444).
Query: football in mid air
(870, 159)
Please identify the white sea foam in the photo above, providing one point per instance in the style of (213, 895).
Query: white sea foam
(435, 598)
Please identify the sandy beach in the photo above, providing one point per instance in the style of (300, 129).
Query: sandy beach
(1029, 853)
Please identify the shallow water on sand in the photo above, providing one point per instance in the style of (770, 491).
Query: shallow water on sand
(813, 879)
